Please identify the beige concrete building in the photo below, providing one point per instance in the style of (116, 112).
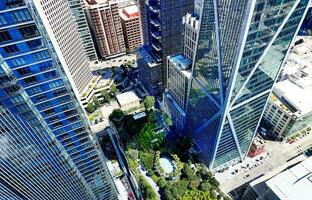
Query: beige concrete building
(128, 100)
(289, 109)
(130, 21)
(104, 21)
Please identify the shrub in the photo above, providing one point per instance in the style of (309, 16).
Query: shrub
(90, 108)
(106, 96)
(96, 102)
(149, 102)
(161, 182)
(147, 190)
(147, 160)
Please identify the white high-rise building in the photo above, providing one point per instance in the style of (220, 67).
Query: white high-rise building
(61, 27)
(77, 7)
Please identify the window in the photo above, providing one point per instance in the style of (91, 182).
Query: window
(30, 80)
(17, 99)
(12, 49)
(34, 90)
(59, 92)
(5, 36)
(50, 75)
(22, 108)
(56, 84)
(34, 44)
(13, 3)
(20, 15)
(11, 90)
(3, 21)
(45, 66)
(50, 111)
(18, 61)
(41, 55)
(29, 31)
(40, 97)
(24, 71)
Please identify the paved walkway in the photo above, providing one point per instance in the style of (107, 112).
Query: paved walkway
(113, 62)
(150, 181)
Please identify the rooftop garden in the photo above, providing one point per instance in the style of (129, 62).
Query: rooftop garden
(151, 155)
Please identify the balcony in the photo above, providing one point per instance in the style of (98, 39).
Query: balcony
(156, 36)
(156, 47)
(7, 81)
(154, 10)
(155, 23)
(158, 58)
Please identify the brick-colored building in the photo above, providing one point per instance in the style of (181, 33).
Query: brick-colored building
(105, 23)
(130, 21)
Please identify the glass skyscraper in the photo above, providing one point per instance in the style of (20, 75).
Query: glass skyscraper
(240, 49)
(162, 28)
(47, 150)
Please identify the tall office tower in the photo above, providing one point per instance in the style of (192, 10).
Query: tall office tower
(105, 23)
(240, 49)
(165, 28)
(180, 73)
(47, 149)
(61, 27)
(130, 22)
(77, 7)
(143, 22)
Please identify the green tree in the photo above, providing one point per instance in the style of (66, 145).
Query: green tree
(96, 102)
(90, 108)
(214, 182)
(146, 136)
(213, 194)
(149, 102)
(161, 182)
(167, 192)
(113, 90)
(188, 171)
(194, 183)
(147, 160)
(204, 186)
(151, 117)
(147, 190)
(106, 96)
(196, 195)
(116, 114)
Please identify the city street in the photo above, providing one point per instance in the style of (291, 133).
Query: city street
(278, 154)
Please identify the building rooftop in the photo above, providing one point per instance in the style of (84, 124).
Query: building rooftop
(299, 98)
(294, 183)
(259, 142)
(149, 59)
(191, 20)
(127, 98)
(129, 12)
(94, 2)
(183, 64)
(278, 103)
(295, 86)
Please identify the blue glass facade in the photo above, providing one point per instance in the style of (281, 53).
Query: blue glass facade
(163, 21)
(240, 50)
(41, 120)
